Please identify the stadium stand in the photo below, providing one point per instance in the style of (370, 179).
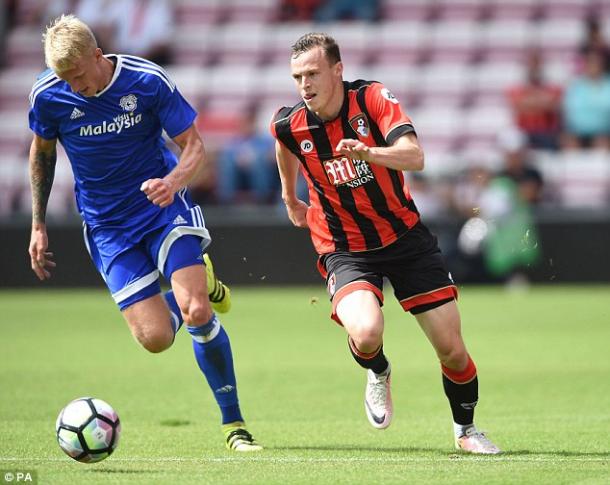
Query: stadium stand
(450, 62)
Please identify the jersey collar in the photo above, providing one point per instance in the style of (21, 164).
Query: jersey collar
(117, 69)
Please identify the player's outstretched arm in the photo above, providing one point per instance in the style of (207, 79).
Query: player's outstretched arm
(288, 167)
(161, 191)
(404, 154)
(43, 157)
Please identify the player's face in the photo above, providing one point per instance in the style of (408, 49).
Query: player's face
(319, 83)
(87, 76)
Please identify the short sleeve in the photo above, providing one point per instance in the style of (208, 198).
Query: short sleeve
(385, 110)
(41, 122)
(175, 113)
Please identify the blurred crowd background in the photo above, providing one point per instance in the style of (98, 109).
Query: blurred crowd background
(510, 98)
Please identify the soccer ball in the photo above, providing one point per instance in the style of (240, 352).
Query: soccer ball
(88, 429)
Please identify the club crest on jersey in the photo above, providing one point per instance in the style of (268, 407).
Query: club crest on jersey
(360, 125)
(345, 171)
(129, 103)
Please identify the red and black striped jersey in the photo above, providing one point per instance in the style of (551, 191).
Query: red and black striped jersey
(354, 205)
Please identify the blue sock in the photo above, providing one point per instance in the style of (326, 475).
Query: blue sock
(213, 354)
(174, 310)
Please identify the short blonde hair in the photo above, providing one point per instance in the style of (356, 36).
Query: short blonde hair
(66, 40)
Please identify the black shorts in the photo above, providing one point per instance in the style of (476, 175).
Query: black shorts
(413, 264)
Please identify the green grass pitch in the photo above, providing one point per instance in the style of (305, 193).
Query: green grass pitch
(544, 370)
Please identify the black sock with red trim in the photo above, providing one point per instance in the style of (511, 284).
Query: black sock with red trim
(376, 361)
(462, 390)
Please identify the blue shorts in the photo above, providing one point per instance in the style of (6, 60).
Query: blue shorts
(132, 274)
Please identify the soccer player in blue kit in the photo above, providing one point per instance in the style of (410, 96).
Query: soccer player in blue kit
(108, 112)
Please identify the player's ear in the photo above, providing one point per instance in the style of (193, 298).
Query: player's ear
(338, 68)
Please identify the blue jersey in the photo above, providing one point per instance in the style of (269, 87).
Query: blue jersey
(114, 139)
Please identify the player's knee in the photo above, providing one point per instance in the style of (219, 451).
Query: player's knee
(199, 312)
(455, 358)
(367, 338)
(153, 341)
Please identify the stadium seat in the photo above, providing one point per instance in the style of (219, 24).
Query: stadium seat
(277, 45)
(191, 81)
(444, 83)
(15, 86)
(13, 181)
(585, 181)
(437, 127)
(506, 40)
(198, 13)
(415, 10)
(232, 81)
(14, 129)
(194, 45)
(401, 43)
(559, 38)
(354, 38)
(513, 9)
(481, 125)
(240, 43)
(472, 10)
(497, 77)
(251, 11)
(24, 48)
(565, 9)
(455, 41)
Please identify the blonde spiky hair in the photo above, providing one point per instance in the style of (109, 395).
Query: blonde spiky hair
(66, 40)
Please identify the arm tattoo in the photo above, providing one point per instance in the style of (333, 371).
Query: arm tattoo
(42, 172)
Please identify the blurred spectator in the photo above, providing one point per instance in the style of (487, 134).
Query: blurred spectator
(499, 240)
(333, 10)
(517, 166)
(595, 41)
(467, 190)
(138, 27)
(246, 166)
(98, 14)
(144, 28)
(537, 106)
(586, 107)
(431, 198)
(297, 10)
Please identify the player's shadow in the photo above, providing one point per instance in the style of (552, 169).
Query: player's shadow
(442, 451)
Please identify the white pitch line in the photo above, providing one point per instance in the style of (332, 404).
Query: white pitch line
(263, 459)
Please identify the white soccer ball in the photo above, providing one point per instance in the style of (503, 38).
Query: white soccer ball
(88, 429)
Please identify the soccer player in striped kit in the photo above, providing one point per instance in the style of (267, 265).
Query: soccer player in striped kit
(108, 112)
(352, 141)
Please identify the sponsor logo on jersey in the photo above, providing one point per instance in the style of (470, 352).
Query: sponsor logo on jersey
(179, 220)
(385, 92)
(344, 171)
(118, 124)
(76, 113)
(129, 103)
(307, 145)
(360, 125)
